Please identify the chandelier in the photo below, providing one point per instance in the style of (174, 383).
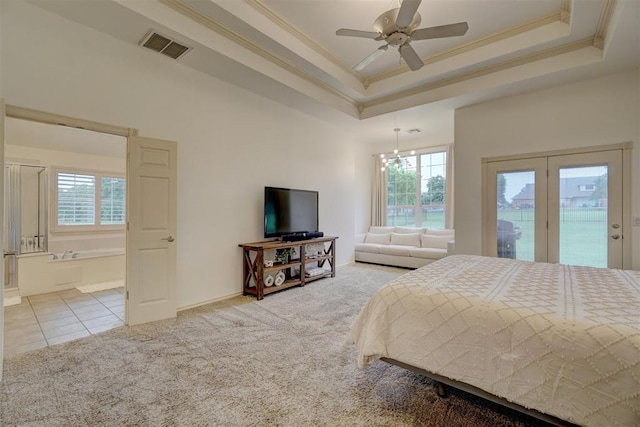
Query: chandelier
(394, 159)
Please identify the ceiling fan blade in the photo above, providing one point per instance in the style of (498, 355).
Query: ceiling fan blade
(358, 33)
(372, 57)
(450, 30)
(411, 57)
(406, 12)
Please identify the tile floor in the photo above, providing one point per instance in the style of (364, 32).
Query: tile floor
(57, 317)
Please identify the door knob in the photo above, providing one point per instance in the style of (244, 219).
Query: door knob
(168, 239)
(615, 236)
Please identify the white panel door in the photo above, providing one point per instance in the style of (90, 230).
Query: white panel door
(151, 247)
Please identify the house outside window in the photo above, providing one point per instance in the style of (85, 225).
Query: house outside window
(86, 200)
(416, 190)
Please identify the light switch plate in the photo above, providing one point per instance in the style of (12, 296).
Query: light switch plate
(636, 221)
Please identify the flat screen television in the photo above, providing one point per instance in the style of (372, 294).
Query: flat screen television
(289, 211)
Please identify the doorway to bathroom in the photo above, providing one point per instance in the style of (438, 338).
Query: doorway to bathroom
(64, 233)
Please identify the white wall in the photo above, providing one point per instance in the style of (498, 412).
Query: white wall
(593, 112)
(231, 143)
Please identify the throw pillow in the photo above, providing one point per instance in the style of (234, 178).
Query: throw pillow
(405, 239)
(380, 239)
(438, 242)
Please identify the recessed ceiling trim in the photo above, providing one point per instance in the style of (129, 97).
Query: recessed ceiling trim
(561, 15)
(603, 23)
(476, 44)
(276, 19)
(214, 25)
(549, 53)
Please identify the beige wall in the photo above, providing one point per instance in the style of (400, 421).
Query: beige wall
(231, 143)
(592, 112)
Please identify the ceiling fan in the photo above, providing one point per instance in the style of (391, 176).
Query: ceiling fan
(397, 27)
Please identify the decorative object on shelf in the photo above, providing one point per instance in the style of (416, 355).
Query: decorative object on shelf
(283, 255)
(312, 250)
(268, 280)
(280, 278)
(398, 161)
(268, 263)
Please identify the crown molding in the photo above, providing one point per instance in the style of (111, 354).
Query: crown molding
(603, 23)
(286, 26)
(549, 53)
(562, 15)
(476, 44)
(208, 22)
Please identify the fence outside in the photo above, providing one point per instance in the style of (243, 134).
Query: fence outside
(583, 234)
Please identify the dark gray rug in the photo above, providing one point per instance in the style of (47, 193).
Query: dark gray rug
(284, 361)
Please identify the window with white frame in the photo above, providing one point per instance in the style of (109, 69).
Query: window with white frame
(416, 190)
(88, 200)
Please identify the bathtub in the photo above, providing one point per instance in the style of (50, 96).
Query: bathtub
(40, 273)
(94, 253)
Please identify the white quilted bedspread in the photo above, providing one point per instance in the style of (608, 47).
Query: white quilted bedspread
(559, 339)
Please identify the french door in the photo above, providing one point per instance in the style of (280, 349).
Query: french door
(565, 208)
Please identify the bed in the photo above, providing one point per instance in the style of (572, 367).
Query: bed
(554, 339)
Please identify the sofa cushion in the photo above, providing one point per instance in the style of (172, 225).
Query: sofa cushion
(428, 253)
(439, 231)
(368, 247)
(438, 242)
(380, 239)
(398, 250)
(405, 239)
(380, 230)
(409, 230)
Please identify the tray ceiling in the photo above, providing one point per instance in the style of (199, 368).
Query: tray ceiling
(288, 49)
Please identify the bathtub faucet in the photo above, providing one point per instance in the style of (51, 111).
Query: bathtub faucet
(67, 254)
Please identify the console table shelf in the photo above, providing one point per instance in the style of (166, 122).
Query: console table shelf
(254, 270)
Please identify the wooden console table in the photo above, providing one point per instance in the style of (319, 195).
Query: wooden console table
(254, 271)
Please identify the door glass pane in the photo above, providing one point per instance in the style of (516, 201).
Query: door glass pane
(516, 215)
(583, 216)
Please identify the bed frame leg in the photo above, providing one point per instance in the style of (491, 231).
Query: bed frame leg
(441, 389)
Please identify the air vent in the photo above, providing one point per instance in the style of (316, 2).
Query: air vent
(413, 131)
(164, 45)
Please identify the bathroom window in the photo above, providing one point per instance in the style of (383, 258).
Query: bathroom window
(89, 200)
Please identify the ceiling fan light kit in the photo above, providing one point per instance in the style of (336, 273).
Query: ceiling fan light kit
(398, 27)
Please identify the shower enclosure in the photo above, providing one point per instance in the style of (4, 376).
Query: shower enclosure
(25, 219)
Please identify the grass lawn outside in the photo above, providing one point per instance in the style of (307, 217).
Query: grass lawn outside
(583, 235)
(408, 219)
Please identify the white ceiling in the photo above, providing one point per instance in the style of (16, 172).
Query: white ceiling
(287, 50)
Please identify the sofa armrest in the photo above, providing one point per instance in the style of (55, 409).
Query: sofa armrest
(360, 237)
(451, 247)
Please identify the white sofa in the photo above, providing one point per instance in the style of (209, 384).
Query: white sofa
(409, 247)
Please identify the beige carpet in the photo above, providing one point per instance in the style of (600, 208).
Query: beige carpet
(283, 361)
